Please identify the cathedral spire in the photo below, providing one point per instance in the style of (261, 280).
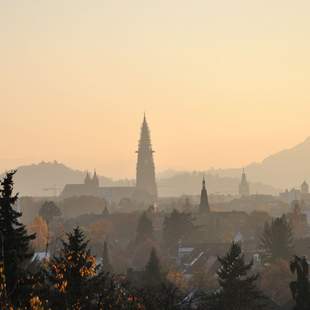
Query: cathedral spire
(145, 165)
(204, 201)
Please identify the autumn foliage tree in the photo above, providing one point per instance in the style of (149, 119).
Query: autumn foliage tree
(71, 271)
(40, 229)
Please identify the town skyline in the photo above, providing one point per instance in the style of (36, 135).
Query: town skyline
(91, 163)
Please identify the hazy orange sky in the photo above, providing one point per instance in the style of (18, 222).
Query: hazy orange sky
(224, 82)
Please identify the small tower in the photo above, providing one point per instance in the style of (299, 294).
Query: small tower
(304, 188)
(244, 188)
(95, 179)
(204, 201)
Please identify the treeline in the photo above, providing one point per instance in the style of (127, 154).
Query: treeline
(73, 279)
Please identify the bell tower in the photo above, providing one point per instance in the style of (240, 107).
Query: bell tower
(204, 201)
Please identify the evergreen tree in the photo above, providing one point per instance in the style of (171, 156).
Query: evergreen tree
(14, 241)
(145, 229)
(110, 292)
(176, 226)
(71, 271)
(106, 265)
(277, 239)
(238, 290)
(152, 273)
(301, 287)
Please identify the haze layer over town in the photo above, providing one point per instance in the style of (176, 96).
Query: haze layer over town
(154, 155)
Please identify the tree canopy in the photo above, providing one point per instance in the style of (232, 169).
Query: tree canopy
(14, 239)
(238, 290)
(277, 239)
(144, 229)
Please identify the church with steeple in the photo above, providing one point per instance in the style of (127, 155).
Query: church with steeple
(145, 189)
(244, 187)
(204, 201)
(91, 182)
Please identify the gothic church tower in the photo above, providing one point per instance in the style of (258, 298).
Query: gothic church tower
(145, 180)
(204, 201)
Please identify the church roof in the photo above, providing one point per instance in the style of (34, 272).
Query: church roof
(113, 193)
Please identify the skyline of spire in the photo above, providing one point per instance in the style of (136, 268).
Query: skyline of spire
(145, 178)
(204, 201)
(244, 187)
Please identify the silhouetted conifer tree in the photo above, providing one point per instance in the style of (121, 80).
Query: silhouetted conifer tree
(237, 290)
(71, 271)
(176, 226)
(277, 239)
(301, 287)
(152, 273)
(145, 229)
(14, 240)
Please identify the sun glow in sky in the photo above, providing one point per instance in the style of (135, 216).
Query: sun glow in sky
(224, 83)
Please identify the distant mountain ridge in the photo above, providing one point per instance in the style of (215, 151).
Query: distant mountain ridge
(285, 169)
(189, 183)
(49, 178)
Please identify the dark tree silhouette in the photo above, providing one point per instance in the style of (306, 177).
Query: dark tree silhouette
(70, 272)
(14, 241)
(165, 296)
(238, 290)
(152, 273)
(177, 225)
(301, 287)
(145, 229)
(49, 211)
(109, 292)
(277, 239)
